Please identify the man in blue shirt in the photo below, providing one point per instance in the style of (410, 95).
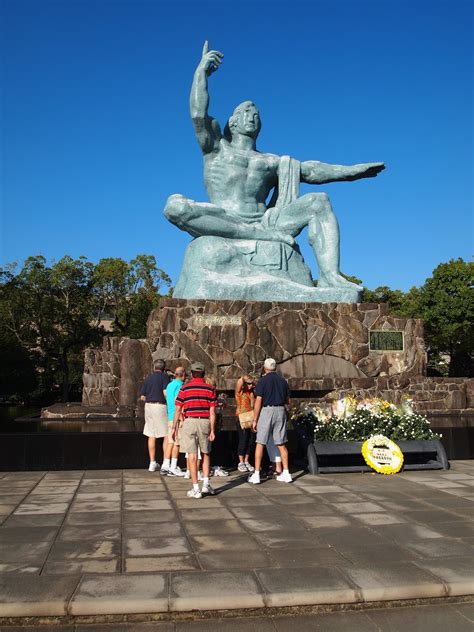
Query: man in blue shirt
(272, 398)
(170, 458)
(153, 393)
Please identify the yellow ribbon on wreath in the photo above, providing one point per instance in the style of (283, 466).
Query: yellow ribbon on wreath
(382, 454)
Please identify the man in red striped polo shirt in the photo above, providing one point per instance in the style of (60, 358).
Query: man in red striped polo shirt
(197, 401)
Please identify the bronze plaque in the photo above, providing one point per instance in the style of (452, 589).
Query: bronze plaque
(386, 341)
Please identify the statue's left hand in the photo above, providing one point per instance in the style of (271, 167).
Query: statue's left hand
(373, 169)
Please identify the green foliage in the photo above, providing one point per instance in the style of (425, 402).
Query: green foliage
(393, 424)
(50, 313)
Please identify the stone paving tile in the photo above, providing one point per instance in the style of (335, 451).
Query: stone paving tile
(230, 560)
(15, 535)
(334, 622)
(301, 586)
(120, 594)
(430, 517)
(158, 530)
(247, 624)
(34, 628)
(20, 568)
(147, 505)
(97, 496)
(223, 542)
(284, 523)
(455, 572)
(403, 533)
(280, 539)
(207, 514)
(162, 626)
(310, 508)
(35, 596)
(374, 519)
(136, 547)
(100, 532)
(161, 495)
(32, 509)
(93, 518)
(445, 547)
(456, 529)
(358, 508)
(394, 580)
(26, 552)
(46, 520)
(95, 506)
(315, 556)
(145, 517)
(349, 535)
(79, 567)
(222, 590)
(165, 563)
(94, 549)
(373, 553)
(430, 617)
(202, 527)
(466, 610)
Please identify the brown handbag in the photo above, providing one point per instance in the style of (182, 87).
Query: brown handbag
(246, 420)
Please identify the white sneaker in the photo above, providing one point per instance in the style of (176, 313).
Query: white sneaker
(242, 467)
(284, 477)
(218, 471)
(207, 489)
(164, 471)
(254, 478)
(177, 471)
(194, 493)
(153, 466)
(187, 474)
(250, 468)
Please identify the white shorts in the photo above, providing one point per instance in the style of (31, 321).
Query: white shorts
(156, 421)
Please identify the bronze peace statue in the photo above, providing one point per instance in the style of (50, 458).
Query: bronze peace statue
(243, 247)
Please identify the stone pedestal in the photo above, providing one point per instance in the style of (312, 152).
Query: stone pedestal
(311, 342)
(323, 349)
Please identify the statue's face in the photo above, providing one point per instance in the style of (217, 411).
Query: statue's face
(246, 119)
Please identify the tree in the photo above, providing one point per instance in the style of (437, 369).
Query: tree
(128, 292)
(445, 302)
(47, 310)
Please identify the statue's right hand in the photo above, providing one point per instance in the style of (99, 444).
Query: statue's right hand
(211, 59)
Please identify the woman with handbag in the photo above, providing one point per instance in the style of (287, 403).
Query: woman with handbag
(245, 400)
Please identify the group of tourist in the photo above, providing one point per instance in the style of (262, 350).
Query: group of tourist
(184, 413)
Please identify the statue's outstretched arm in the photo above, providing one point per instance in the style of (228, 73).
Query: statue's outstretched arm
(315, 172)
(207, 129)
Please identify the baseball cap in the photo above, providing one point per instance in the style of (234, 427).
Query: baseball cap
(197, 366)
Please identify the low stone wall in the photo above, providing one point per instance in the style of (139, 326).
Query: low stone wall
(448, 394)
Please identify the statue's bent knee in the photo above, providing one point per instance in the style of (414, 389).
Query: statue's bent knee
(176, 209)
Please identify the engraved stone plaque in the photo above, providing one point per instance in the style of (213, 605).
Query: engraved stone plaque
(386, 341)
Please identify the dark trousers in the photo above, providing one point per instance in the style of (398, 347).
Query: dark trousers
(246, 440)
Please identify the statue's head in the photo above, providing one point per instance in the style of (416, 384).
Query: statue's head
(245, 120)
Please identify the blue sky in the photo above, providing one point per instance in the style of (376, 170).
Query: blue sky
(96, 131)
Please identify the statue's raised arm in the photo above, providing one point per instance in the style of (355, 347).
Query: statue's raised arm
(207, 129)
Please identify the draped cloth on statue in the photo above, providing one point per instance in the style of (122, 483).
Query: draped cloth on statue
(271, 254)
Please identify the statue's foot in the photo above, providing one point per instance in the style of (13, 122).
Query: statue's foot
(334, 279)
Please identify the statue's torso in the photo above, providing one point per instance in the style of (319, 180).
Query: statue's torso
(240, 181)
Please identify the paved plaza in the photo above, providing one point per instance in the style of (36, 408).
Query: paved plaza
(128, 542)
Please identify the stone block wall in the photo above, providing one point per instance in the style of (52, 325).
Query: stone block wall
(113, 374)
(308, 340)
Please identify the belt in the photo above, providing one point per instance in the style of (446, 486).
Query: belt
(198, 418)
(274, 406)
(162, 403)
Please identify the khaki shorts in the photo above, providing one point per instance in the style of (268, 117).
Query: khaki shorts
(156, 421)
(195, 433)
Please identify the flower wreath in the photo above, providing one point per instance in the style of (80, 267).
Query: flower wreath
(382, 454)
